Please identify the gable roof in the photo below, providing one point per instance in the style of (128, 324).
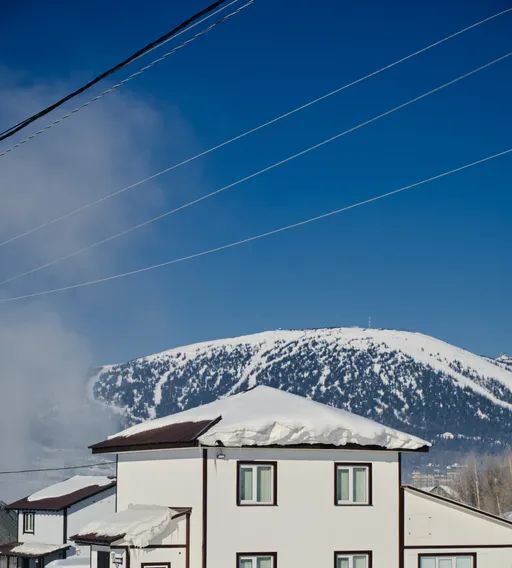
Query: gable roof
(262, 417)
(65, 493)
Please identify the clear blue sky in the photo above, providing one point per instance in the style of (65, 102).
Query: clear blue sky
(435, 260)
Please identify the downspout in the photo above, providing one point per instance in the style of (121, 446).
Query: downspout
(205, 508)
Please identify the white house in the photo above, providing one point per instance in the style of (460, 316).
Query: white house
(266, 479)
(47, 518)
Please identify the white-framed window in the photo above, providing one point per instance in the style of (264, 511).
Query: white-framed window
(28, 523)
(353, 484)
(257, 483)
(353, 559)
(267, 560)
(448, 561)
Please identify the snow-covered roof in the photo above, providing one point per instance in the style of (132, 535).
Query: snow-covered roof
(263, 416)
(30, 549)
(139, 525)
(65, 493)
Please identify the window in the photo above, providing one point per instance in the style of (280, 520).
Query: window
(353, 559)
(448, 561)
(28, 523)
(257, 484)
(353, 484)
(251, 560)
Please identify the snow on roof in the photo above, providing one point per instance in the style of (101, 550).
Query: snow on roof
(139, 526)
(508, 516)
(70, 485)
(265, 416)
(35, 548)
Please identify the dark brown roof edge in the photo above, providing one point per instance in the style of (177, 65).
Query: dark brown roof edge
(195, 444)
(61, 502)
(458, 504)
(95, 538)
(177, 435)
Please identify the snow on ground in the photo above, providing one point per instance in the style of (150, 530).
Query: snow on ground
(75, 561)
(266, 416)
(70, 486)
(139, 525)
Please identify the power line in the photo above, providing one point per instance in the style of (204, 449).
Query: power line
(248, 132)
(56, 468)
(254, 174)
(136, 55)
(137, 73)
(258, 236)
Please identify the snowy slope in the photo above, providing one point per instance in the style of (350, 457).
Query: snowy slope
(408, 381)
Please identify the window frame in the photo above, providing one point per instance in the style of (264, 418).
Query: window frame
(367, 553)
(256, 463)
(29, 515)
(451, 555)
(242, 555)
(351, 465)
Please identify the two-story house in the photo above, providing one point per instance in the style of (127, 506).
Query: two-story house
(267, 479)
(48, 517)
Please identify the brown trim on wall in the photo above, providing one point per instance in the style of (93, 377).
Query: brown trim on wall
(448, 553)
(117, 467)
(187, 540)
(273, 555)
(370, 483)
(128, 557)
(149, 564)
(401, 516)
(65, 527)
(239, 465)
(205, 509)
(368, 553)
(442, 547)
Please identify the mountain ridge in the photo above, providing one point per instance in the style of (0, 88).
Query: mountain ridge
(407, 380)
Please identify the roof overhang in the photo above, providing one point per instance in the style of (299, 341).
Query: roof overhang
(23, 550)
(179, 435)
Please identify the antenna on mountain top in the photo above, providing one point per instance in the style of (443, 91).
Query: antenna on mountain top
(369, 322)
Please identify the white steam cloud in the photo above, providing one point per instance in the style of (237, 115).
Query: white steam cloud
(46, 419)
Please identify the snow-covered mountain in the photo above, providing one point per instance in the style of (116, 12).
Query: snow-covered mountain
(505, 361)
(409, 381)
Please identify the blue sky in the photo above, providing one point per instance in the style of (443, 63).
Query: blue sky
(435, 260)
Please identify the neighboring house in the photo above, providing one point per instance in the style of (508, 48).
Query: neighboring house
(8, 524)
(441, 491)
(267, 479)
(48, 517)
(442, 533)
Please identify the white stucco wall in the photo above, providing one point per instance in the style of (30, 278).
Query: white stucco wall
(48, 527)
(164, 477)
(85, 511)
(430, 522)
(305, 528)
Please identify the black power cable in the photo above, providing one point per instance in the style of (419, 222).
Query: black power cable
(139, 53)
(56, 468)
